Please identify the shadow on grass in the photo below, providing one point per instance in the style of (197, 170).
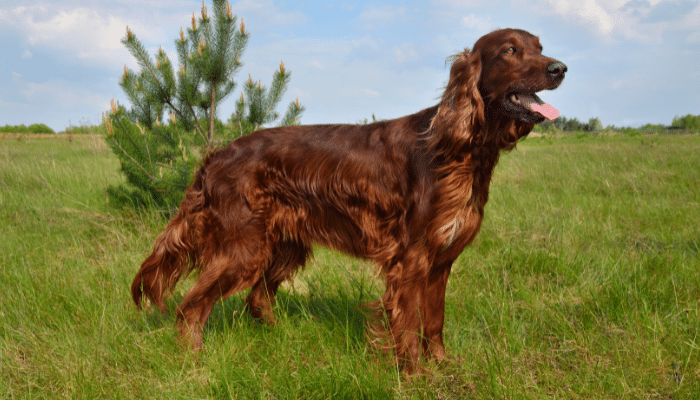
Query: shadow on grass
(336, 309)
(337, 312)
(150, 318)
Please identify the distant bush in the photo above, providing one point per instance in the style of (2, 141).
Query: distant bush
(629, 131)
(569, 125)
(688, 122)
(34, 128)
(651, 128)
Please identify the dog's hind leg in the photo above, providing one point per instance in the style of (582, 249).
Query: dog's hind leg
(288, 256)
(230, 262)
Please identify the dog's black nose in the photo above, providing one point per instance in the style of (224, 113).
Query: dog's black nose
(556, 70)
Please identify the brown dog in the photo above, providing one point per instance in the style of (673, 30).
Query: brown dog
(408, 193)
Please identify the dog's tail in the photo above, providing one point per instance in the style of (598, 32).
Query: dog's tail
(175, 251)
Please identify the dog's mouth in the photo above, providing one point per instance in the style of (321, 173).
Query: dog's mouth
(529, 107)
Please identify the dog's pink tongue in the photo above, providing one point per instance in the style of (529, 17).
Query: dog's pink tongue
(546, 110)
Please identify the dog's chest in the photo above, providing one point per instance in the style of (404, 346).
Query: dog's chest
(461, 227)
(462, 210)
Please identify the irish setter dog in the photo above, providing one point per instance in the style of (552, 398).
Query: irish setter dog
(407, 193)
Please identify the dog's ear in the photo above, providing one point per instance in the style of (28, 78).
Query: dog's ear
(476, 103)
(460, 116)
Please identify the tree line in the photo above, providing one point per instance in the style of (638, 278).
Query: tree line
(689, 123)
(33, 128)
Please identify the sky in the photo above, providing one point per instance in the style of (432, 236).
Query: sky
(630, 62)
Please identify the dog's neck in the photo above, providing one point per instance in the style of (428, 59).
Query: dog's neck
(463, 155)
(462, 159)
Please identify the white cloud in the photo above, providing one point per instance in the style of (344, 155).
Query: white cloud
(603, 14)
(27, 54)
(628, 18)
(80, 33)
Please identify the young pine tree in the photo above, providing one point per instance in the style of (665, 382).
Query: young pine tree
(159, 157)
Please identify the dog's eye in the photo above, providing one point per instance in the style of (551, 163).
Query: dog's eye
(511, 50)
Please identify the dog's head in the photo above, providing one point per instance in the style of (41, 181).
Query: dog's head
(513, 70)
(491, 94)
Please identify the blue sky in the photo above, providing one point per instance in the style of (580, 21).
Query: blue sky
(630, 62)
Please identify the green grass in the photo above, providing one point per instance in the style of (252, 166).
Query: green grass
(583, 283)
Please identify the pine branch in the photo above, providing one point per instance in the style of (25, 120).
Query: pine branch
(279, 83)
(127, 154)
(294, 111)
(139, 52)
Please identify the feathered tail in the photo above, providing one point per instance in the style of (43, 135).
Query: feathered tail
(174, 253)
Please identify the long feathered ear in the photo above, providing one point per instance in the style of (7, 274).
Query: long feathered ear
(460, 117)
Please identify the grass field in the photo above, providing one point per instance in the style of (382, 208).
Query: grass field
(583, 283)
